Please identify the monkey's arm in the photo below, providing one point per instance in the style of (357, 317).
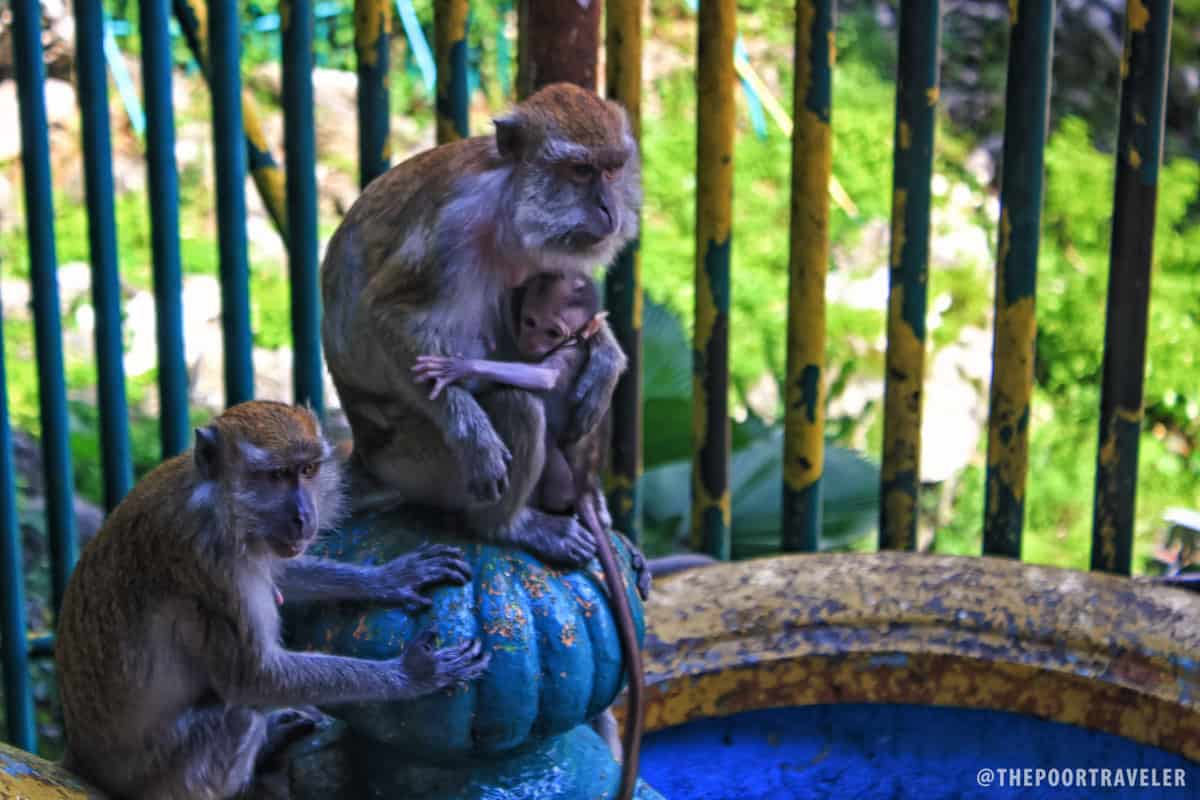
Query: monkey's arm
(402, 581)
(278, 677)
(445, 370)
(594, 388)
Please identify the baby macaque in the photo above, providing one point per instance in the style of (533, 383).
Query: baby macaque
(554, 315)
(169, 658)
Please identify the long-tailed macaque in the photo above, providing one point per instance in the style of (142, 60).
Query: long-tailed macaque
(168, 645)
(421, 266)
(553, 316)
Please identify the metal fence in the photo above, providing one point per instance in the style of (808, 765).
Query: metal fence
(212, 33)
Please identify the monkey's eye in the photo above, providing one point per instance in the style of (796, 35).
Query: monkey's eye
(582, 173)
(530, 322)
(309, 470)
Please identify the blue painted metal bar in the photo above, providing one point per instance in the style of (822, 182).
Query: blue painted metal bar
(18, 699)
(174, 430)
(300, 146)
(1026, 115)
(39, 225)
(372, 31)
(1139, 151)
(908, 278)
(123, 80)
(421, 51)
(225, 80)
(102, 243)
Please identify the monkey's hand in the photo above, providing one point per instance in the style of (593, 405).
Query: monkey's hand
(485, 460)
(405, 580)
(442, 371)
(427, 669)
(593, 391)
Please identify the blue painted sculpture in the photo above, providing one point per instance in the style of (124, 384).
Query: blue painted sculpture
(522, 730)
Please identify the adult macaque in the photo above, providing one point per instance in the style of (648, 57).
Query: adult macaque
(421, 266)
(168, 643)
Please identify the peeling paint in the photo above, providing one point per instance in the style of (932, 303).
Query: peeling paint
(1138, 16)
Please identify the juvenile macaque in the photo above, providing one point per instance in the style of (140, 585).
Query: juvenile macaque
(169, 656)
(421, 265)
(554, 315)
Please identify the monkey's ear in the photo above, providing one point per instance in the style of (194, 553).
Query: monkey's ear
(206, 453)
(510, 136)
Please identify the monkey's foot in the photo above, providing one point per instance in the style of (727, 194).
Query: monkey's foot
(554, 538)
(406, 580)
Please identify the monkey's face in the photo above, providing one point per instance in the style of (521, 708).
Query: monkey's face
(288, 502)
(554, 308)
(577, 174)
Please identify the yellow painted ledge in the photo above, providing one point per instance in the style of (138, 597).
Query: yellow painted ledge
(1093, 650)
(24, 776)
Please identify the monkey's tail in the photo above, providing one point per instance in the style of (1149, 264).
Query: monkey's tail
(635, 708)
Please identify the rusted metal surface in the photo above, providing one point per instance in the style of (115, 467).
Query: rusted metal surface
(716, 125)
(557, 42)
(24, 776)
(623, 286)
(1026, 113)
(1139, 151)
(450, 36)
(812, 162)
(1094, 650)
(916, 104)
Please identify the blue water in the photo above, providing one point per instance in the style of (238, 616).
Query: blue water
(892, 752)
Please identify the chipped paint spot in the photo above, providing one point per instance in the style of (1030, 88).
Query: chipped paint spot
(1012, 11)
(1135, 158)
(932, 94)
(1139, 16)
(899, 203)
(905, 135)
(1012, 387)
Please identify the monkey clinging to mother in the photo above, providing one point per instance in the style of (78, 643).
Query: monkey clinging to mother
(423, 264)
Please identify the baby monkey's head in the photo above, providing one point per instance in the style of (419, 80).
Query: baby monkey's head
(554, 306)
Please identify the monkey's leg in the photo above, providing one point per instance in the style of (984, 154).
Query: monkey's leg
(213, 755)
(556, 490)
(520, 420)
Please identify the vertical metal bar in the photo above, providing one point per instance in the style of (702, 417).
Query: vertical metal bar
(623, 286)
(164, 225)
(1026, 103)
(450, 21)
(43, 268)
(224, 47)
(1139, 152)
(916, 103)
(18, 699)
(372, 31)
(716, 111)
(812, 162)
(268, 178)
(102, 241)
(296, 29)
(557, 42)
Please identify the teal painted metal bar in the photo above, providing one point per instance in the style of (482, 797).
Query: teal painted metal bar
(372, 32)
(224, 48)
(450, 29)
(916, 104)
(1026, 114)
(92, 84)
(1139, 152)
(43, 268)
(808, 265)
(18, 699)
(124, 81)
(301, 159)
(153, 25)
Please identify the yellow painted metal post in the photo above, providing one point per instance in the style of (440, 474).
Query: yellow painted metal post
(450, 24)
(623, 286)
(812, 162)
(192, 16)
(716, 124)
